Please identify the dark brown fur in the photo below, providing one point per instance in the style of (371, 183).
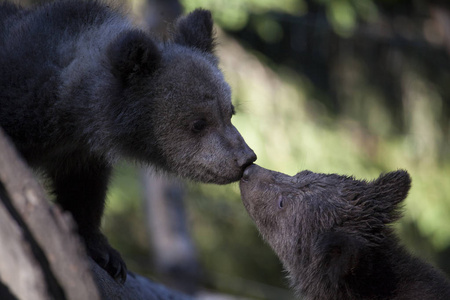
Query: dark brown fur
(333, 235)
(81, 87)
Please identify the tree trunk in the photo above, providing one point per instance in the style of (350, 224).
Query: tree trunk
(41, 254)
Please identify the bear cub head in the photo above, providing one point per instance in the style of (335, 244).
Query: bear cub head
(325, 228)
(178, 109)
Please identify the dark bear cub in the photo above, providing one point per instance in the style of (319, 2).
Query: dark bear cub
(81, 87)
(333, 235)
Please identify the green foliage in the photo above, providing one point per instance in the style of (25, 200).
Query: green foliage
(290, 132)
(124, 220)
(234, 14)
(344, 14)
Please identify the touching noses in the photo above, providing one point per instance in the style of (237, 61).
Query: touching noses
(246, 157)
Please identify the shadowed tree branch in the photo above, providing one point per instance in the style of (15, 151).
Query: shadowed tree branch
(42, 256)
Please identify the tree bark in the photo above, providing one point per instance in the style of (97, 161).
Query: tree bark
(135, 288)
(41, 255)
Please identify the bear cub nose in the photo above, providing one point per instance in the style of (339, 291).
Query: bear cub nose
(247, 159)
(248, 172)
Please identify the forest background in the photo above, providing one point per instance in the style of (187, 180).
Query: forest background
(356, 87)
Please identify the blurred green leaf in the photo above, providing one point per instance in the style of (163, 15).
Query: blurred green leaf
(234, 14)
(342, 16)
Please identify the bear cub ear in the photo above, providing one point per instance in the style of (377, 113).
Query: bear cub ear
(133, 53)
(196, 30)
(388, 191)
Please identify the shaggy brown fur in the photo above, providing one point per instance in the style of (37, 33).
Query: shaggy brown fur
(81, 87)
(333, 235)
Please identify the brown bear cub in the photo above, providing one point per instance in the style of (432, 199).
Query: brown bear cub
(333, 235)
(81, 87)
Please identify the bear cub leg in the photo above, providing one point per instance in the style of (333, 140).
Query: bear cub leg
(82, 191)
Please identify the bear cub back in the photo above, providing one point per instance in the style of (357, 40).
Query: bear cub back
(333, 235)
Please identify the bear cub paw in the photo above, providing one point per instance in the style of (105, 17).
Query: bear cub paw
(106, 256)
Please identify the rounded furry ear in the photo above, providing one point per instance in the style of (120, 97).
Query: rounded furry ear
(196, 30)
(393, 185)
(397, 182)
(133, 53)
(388, 191)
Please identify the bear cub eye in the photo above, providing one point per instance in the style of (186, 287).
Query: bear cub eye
(280, 202)
(199, 125)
